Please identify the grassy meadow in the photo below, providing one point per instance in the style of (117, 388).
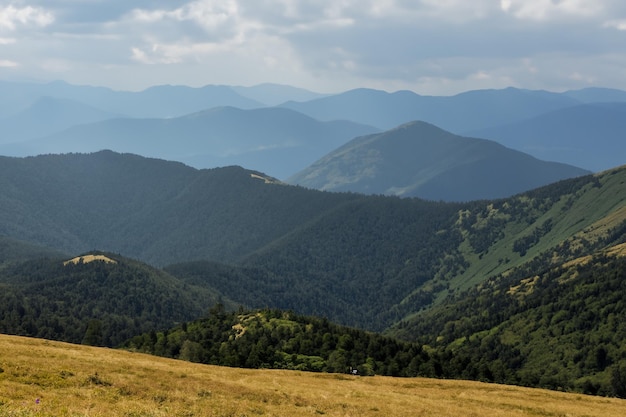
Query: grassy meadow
(46, 378)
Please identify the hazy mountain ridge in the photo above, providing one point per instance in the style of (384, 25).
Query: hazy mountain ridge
(161, 101)
(49, 115)
(32, 132)
(220, 136)
(459, 113)
(589, 135)
(420, 160)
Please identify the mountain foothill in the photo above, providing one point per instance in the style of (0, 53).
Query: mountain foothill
(378, 232)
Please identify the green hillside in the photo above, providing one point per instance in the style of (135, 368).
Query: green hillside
(153, 210)
(524, 290)
(555, 327)
(364, 261)
(372, 265)
(284, 340)
(101, 300)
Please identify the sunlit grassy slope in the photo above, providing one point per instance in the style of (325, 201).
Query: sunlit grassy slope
(44, 378)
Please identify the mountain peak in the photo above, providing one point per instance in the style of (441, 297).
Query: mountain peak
(418, 159)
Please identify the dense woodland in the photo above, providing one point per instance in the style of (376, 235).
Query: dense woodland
(97, 303)
(284, 340)
(526, 290)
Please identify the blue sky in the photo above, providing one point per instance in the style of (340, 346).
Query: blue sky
(435, 47)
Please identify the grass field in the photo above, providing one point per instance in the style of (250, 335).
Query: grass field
(45, 378)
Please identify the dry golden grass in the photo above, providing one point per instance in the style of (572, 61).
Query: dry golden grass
(44, 378)
(90, 258)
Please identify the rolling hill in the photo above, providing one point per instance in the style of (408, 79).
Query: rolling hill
(274, 94)
(48, 115)
(276, 141)
(97, 298)
(589, 136)
(162, 101)
(420, 160)
(460, 113)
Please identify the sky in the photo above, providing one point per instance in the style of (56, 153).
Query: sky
(434, 47)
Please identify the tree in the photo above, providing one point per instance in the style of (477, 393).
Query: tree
(93, 334)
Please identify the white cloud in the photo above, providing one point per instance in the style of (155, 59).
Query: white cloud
(327, 45)
(11, 17)
(209, 14)
(552, 9)
(616, 24)
(5, 63)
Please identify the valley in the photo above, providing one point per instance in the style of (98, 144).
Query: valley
(319, 237)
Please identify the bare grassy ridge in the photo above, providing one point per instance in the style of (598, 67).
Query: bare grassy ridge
(43, 378)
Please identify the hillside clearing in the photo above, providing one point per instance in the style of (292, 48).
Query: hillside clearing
(45, 378)
(89, 258)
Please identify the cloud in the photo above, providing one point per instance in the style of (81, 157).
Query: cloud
(553, 9)
(4, 63)
(11, 17)
(616, 24)
(433, 46)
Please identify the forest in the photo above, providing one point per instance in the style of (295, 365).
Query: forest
(524, 290)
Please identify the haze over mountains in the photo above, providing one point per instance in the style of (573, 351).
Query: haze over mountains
(273, 140)
(587, 135)
(420, 160)
(281, 130)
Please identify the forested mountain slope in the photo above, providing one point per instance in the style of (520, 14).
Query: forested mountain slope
(370, 265)
(366, 261)
(485, 285)
(418, 159)
(557, 327)
(157, 211)
(98, 299)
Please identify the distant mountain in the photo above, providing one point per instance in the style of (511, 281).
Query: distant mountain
(274, 94)
(590, 135)
(459, 113)
(597, 95)
(276, 141)
(420, 160)
(156, 102)
(49, 115)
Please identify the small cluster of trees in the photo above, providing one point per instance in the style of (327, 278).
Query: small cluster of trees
(279, 339)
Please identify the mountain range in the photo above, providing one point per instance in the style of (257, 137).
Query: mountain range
(207, 231)
(272, 140)
(58, 117)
